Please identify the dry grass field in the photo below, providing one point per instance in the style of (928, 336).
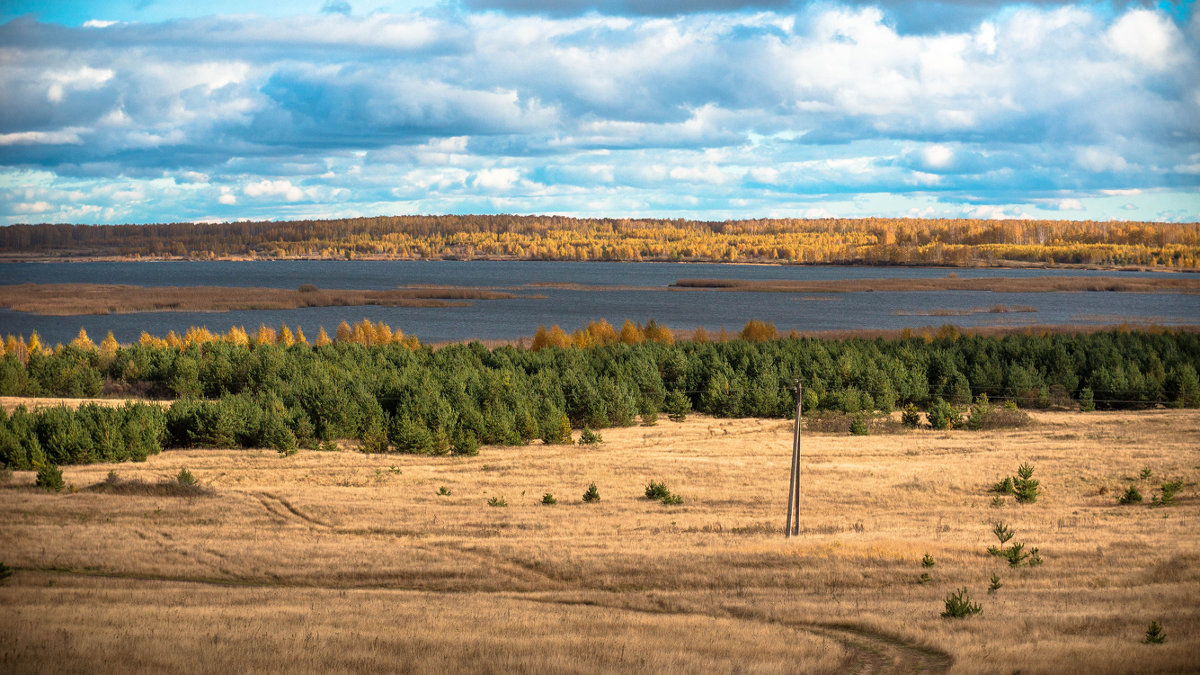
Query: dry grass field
(340, 561)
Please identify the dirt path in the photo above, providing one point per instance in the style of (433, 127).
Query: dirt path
(874, 652)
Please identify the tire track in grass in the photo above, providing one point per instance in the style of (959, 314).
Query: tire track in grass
(281, 508)
(285, 511)
(873, 651)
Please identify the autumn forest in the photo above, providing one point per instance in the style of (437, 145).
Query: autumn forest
(875, 241)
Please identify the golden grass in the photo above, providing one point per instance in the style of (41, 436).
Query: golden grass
(952, 283)
(31, 403)
(75, 299)
(344, 561)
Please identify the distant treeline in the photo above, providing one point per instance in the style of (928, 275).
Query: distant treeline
(894, 241)
(399, 396)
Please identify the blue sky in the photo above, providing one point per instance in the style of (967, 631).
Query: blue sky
(152, 111)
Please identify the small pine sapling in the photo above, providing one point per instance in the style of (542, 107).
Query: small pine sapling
(497, 501)
(50, 478)
(589, 437)
(549, 499)
(927, 561)
(911, 417)
(185, 477)
(1087, 400)
(995, 584)
(1169, 490)
(1154, 634)
(657, 490)
(1025, 488)
(1004, 487)
(592, 494)
(924, 578)
(1015, 554)
(1131, 496)
(1146, 473)
(858, 426)
(443, 491)
(959, 605)
(1003, 533)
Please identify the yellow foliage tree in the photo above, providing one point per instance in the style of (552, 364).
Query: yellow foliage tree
(631, 333)
(558, 337)
(34, 344)
(237, 336)
(759, 331)
(382, 334)
(109, 346)
(265, 335)
(323, 338)
(82, 341)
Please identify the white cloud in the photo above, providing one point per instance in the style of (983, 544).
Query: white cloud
(993, 212)
(496, 179)
(60, 137)
(937, 156)
(446, 111)
(764, 174)
(1146, 36)
(274, 188)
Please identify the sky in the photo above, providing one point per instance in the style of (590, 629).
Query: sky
(137, 111)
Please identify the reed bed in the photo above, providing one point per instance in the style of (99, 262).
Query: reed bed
(76, 299)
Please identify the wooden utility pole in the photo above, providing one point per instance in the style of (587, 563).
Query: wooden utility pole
(793, 511)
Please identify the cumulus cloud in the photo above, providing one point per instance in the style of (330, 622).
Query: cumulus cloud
(721, 106)
(274, 188)
(1147, 37)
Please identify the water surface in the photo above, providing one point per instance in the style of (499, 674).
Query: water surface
(572, 308)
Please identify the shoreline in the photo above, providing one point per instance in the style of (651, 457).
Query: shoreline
(998, 265)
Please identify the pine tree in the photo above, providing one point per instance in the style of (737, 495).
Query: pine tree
(592, 494)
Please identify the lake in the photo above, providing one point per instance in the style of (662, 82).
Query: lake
(510, 319)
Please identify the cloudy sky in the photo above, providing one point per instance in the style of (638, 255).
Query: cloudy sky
(163, 110)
